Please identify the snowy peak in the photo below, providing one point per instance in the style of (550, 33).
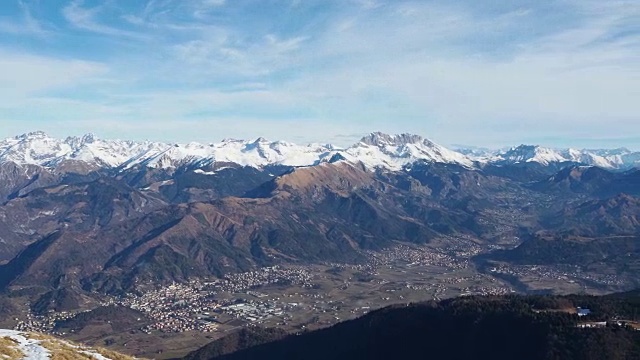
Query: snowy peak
(532, 153)
(257, 153)
(37, 148)
(75, 141)
(475, 152)
(396, 151)
(32, 148)
(31, 135)
(381, 139)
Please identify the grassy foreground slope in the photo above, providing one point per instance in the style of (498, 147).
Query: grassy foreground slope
(31, 346)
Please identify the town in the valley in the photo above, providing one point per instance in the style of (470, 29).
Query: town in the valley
(298, 298)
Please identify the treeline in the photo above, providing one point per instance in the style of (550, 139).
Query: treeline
(243, 339)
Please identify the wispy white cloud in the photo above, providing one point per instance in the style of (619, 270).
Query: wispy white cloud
(25, 25)
(226, 54)
(564, 81)
(85, 19)
(503, 72)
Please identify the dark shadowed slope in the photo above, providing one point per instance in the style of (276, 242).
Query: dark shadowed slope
(467, 328)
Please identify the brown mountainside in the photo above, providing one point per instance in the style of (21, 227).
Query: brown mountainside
(319, 213)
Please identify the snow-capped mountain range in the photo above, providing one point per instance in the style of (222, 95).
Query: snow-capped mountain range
(376, 150)
(617, 159)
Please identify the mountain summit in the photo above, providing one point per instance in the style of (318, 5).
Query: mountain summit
(382, 139)
(397, 151)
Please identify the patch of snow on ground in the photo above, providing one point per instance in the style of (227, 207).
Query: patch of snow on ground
(32, 349)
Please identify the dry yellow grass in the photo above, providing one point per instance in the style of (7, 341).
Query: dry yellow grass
(113, 355)
(38, 336)
(8, 349)
(62, 351)
(70, 355)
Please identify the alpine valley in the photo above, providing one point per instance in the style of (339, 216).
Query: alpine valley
(155, 249)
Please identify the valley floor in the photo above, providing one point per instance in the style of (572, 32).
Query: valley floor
(182, 317)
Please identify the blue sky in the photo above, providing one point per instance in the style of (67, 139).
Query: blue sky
(487, 73)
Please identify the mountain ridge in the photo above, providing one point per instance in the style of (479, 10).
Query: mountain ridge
(376, 151)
